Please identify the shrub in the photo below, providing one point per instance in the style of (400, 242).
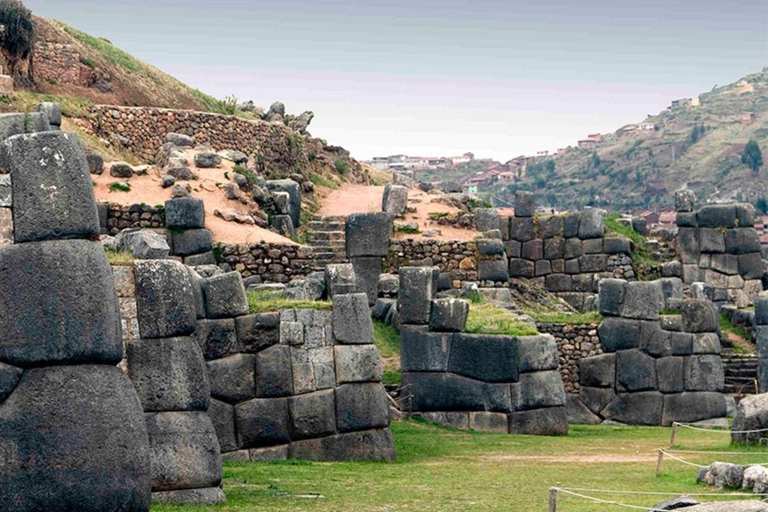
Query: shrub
(341, 165)
(119, 186)
(752, 156)
(19, 28)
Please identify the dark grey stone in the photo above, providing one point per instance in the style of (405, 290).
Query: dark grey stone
(95, 164)
(558, 283)
(692, 407)
(598, 371)
(550, 226)
(78, 442)
(232, 378)
(168, 374)
(541, 389)
(180, 139)
(121, 170)
(448, 315)
(571, 225)
(717, 216)
(681, 343)
(422, 351)
(591, 224)
(593, 246)
(283, 225)
(257, 332)
(704, 373)
(225, 296)
(616, 245)
(706, 343)
(395, 199)
(643, 300)
(369, 445)
(198, 260)
(493, 270)
(361, 407)
(525, 204)
(686, 220)
(578, 413)
(223, 418)
(596, 399)
(381, 309)
(554, 248)
(635, 371)
(165, 299)
(521, 229)
(207, 496)
(207, 160)
(59, 305)
(447, 392)
(611, 293)
(313, 414)
(699, 316)
(192, 241)
(552, 421)
(274, 373)
(536, 353)
(676, 503)
(672, 269)
(573, 248)
(533, 249)
(572, 267)
(487, 219)
(197, 290)
(368, 271)
(184, 451)
(418, 287)
(751, 266)
(9, 377)
(653, 340)
(671, 375)
(217, 338)
(185, 213)
(742, 241)
(745, 215)
(52, 191)
(357, 363)
(751, 414)
(484, 357)
(640, 226)
(636, 408)
(181, 174)
(444, 282)
(712, 240)
(689, 245)
(761, 311)
(519, 268)
(352, 323)
(340, 279)
(593, 263)
(143, 244)
(52, 111)
(262, 422)
(490, 247)
(619, 334)
(294, 193)
(368, 234)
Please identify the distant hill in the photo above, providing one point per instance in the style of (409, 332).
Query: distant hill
(698, 146)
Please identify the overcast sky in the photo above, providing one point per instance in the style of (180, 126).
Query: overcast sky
(499, 78)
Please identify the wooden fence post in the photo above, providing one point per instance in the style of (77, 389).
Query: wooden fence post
(658, 462)
(553, 499)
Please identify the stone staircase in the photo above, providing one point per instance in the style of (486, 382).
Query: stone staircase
(327, 238)
(740, 373)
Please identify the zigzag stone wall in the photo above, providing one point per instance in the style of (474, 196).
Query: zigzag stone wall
(72, 431)
(656, 369)
(489, 383)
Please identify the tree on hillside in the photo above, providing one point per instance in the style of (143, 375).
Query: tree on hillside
(752, 156)
(17, 30)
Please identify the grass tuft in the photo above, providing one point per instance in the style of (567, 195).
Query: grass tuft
(557, 317)
(485, 318)
(263, 302)
(119, 186)
(119, 258)
(387, 340)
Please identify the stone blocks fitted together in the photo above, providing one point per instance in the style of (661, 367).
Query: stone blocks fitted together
(367, 242)
(656, 369)
(71, 424)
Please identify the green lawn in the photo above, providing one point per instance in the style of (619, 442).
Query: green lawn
(440, 469)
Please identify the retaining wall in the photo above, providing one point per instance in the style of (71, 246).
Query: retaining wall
(277, 263)
(574, 343)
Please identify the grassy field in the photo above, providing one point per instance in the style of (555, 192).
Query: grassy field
(440, 469)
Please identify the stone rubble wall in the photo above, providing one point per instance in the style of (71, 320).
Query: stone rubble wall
(574, 343)
(119, 217)
(718, 245)
(489, 383)
(273, 263)
(655, 369)
(71, 424)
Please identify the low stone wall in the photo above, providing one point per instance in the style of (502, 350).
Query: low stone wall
(574, 343)
(274, 263)
(120, 217)
(656, 369)
(459, 259)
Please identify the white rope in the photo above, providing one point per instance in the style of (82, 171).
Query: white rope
(656, 493)
(703, 452)
(607, 502)
(681, 460)
(720, 431)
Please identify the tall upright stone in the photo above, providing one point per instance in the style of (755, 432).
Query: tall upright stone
(72, 422)
(367, 237)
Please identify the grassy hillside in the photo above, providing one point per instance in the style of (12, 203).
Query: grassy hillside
(697, 146)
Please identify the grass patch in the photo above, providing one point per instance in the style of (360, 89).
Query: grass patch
(263, 302)
(557, 317)
(119, 258)
(119, 186)
(408, 230)
(641, 255)
(322, 181)
(485, 318)
(387, 340)
(442, 469)
(438, 215)
(742, 341)
(342, 166)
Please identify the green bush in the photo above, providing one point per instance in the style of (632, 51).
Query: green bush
(119, 186)
(19, 28)
(342, 166)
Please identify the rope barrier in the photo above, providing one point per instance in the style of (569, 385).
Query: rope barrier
(663, 452)
(657, 493)
(668, 453)
(720, 431)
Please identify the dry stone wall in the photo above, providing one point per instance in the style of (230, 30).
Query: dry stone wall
(719, 246)
(274, 263)
(655, 369)
(502, 384)
(458, 259)
(115, 218)
(574, 343)
(71, 424)
(566, 254)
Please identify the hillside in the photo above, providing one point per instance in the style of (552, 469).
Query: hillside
(643, 168)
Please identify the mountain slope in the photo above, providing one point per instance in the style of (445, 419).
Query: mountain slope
(695, 146)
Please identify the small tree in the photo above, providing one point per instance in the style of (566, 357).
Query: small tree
(752, 156)
(18, 29)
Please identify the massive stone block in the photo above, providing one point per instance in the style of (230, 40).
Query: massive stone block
(217, 338)
(361, 407)
(635, 371)
(536, 354)
(611, 293)
(742, 241)
(447, 392)
(418, 286)
(184, 451)
(448, 315)
(262, 422)
(670, 372)
(165, 299)
(422, 351)
(395, 199)
(653, 340)
(257, 332)
(643, 300)
(313, 415)
(751, 266)
(552, 421)
(520, 268)
(368, 234)
(352, 322)
(717, 216)
(712, 240)
(357, 363)
(692, 407)
(619, 334)
(340, 280)
(185, 213)
(168, 374)
(274, 375)
(521, 229)
(367, 273)
(58, 304)
(525, 204)
(484, 357)
(699, 316)
(369, 445)
(751, 414)
(493, 270)
(232, 378)
(591, 224)
(223, 418)
(487, 219)
(225, 296)
(596, 399)
(541, 389)
(598, 371)
(74, 439)
(52, 192)
(704, 373)
(192, 241)
(689, 245)
(636, 408)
